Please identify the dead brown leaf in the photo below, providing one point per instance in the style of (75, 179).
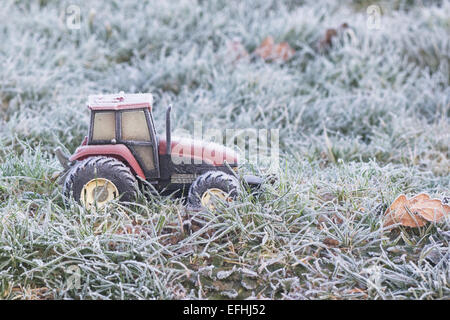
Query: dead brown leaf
(331, 242)
(268, 50)
(322, 220)
(328, 38)
(432, 210)
(336, 219)
(397, 213)
(133, 229)
(357, 291)
(4, 105)
(415, 212)
(42, 293)
(331, 33)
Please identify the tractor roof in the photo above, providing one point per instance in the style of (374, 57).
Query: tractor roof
(120, 101)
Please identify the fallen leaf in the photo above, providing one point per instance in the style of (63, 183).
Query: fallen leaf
(357, 290)
(432, 210)
(397, 213)
(266, 47)
(268, 50)
(42, 293)
(331, 242)
(398, 203)
(336, 219)
(328, 38)
(4, 104)
(327, 196)
(434, 254)
(331, 33)
(415, 212)
(132, 229)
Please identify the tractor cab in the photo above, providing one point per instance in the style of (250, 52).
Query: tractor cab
(126, 120)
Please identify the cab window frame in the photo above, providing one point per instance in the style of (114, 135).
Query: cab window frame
(152, 142)
(147, 122)
(92, 127)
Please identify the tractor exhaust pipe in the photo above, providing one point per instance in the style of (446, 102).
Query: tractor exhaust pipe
(168, 133)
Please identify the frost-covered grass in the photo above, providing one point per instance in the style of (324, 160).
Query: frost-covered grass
(383, 97)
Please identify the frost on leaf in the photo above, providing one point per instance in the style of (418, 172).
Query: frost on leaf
(268, 50)
(415, 212)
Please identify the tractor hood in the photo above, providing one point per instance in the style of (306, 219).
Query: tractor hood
(199, 151)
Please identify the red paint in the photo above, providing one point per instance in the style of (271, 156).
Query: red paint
(211, 153)
(118, 151)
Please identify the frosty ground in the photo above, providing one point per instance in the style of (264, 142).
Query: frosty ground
(360, 123)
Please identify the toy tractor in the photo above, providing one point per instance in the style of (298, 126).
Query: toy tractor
(123, 151)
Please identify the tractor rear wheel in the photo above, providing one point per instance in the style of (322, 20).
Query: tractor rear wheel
(97, 180)
(211, 186)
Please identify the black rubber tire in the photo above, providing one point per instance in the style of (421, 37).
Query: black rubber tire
(101, 167)
(212, 179)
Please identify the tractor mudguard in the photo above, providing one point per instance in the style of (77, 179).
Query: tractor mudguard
(119, 151)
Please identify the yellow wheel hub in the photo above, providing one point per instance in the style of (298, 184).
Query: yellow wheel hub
(212, 194)
(98, 192)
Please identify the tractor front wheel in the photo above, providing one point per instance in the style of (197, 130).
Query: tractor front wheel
(98, 180)
(211, 186)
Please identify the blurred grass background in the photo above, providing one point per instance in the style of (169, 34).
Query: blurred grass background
(382, 95)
